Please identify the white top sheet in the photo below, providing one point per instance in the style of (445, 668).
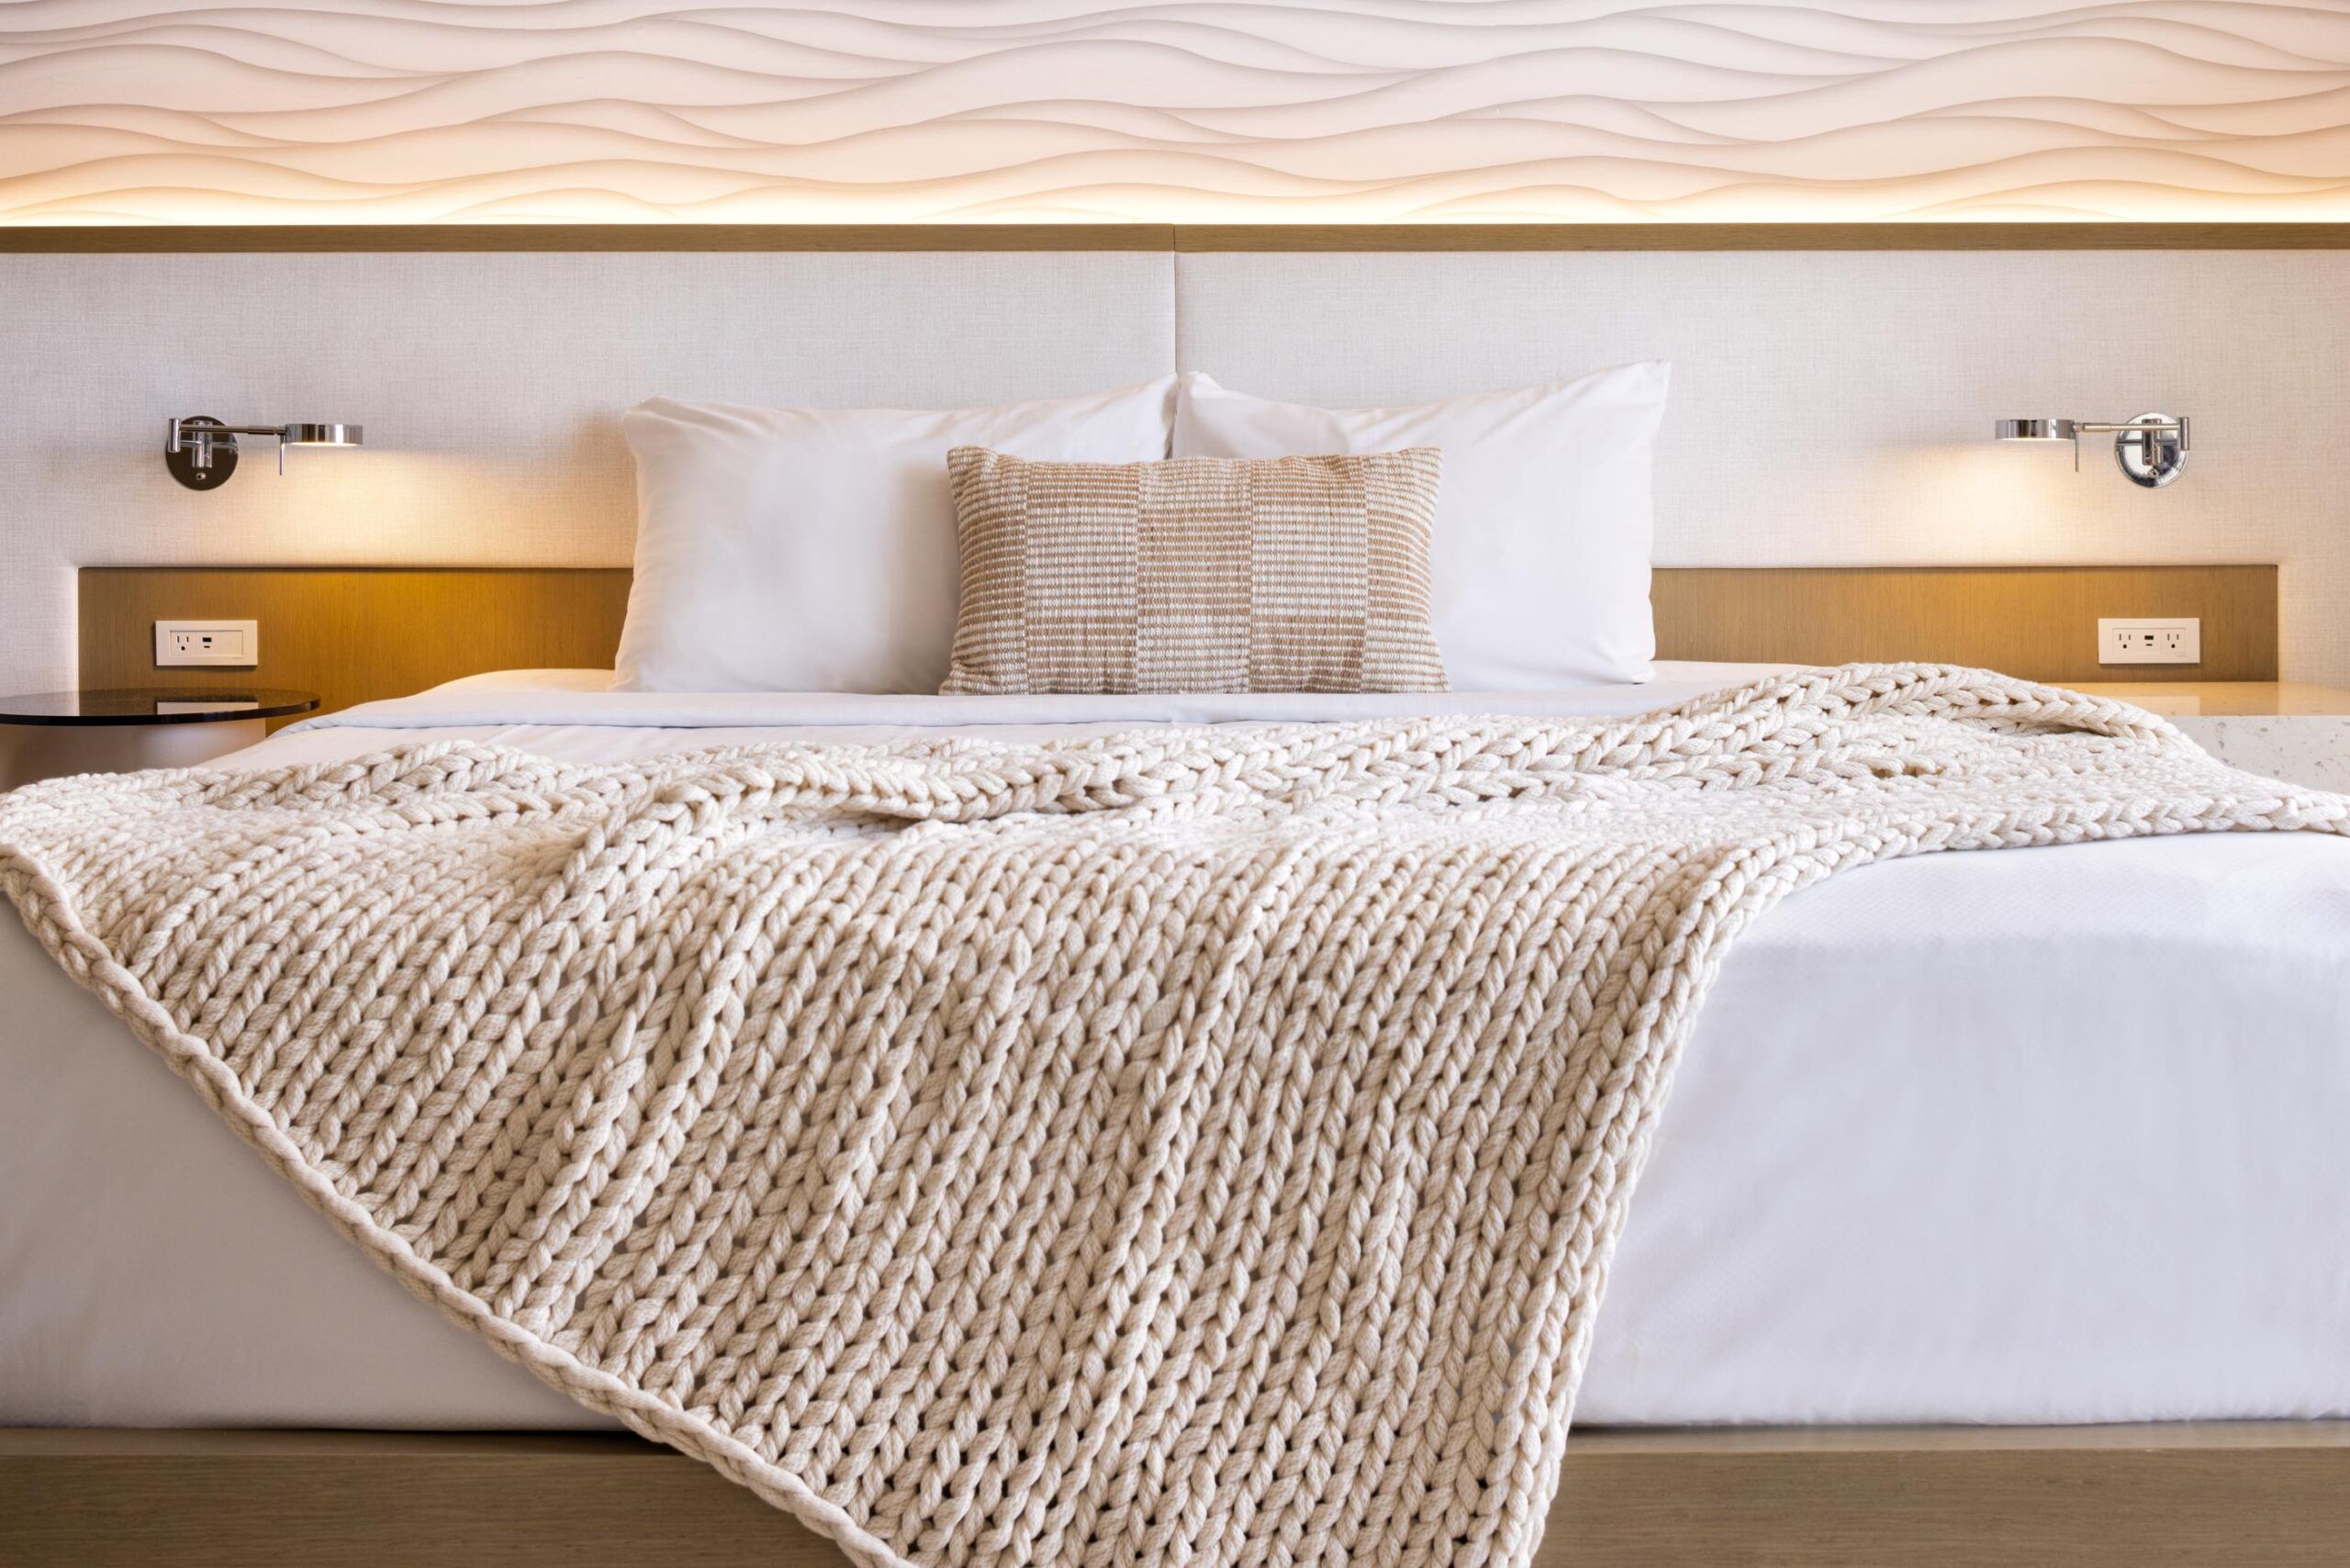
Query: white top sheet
(530, 702)
(2036, 1135)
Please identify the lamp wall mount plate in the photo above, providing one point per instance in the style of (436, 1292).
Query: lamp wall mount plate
(2151, 450)
(197, 455)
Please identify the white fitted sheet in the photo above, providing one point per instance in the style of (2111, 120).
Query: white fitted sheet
(2037, 1135)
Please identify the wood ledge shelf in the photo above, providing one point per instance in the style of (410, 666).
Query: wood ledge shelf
(356, 634)
(1169, 237)
(2226, 698)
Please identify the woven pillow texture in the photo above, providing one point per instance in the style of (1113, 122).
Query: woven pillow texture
(1201, 574)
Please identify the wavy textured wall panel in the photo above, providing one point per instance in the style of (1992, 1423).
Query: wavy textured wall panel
(1369, 110)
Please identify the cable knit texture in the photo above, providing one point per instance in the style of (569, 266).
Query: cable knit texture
(1187, 1145)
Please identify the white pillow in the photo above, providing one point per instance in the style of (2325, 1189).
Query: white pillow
(813, 549)
(1542, 526)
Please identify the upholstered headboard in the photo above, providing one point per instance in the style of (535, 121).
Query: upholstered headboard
(1831, 407)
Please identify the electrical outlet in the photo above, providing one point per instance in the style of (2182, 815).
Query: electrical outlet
(181, 643)
(2149, 642)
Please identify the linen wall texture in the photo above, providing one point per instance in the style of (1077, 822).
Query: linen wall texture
(1359, 110)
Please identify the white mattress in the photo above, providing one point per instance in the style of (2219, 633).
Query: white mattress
(2038, 1135)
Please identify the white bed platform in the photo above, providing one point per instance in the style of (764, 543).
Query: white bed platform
(2035, 1139)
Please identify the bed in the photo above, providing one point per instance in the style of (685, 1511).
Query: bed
(2074, 1167)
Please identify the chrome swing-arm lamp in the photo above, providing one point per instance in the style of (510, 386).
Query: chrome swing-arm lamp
(201, 452)
(2150, 450)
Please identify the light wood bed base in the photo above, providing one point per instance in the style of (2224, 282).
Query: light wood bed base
(2272, 1494)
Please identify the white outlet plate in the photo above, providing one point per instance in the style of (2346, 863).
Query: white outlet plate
(179, 644)
(2174, 640)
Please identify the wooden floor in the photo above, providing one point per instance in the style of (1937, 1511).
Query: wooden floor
(2254, 1493)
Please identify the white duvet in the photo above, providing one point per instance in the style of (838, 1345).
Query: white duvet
(2054, 1136)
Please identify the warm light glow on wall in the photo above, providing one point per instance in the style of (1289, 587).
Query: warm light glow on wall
(1369, 110)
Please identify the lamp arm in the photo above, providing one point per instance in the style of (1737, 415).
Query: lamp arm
(181, 432)
(2150, 450)
(2100, 427)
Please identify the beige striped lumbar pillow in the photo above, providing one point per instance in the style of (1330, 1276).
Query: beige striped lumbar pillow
(1202, 574)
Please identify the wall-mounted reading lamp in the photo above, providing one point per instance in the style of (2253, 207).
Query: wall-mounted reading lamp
(201, 452)
(2150, 449)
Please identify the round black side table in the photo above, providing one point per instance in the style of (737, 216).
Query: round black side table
(48, 735)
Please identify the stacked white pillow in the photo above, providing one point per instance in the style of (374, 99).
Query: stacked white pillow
(1543, 527)
(813, 549)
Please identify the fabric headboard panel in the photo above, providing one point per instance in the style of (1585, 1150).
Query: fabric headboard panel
(1830, 409)
(1836, 408)
(491, 387)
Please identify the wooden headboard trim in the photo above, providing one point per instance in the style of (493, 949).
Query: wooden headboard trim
(1172, 238)
(355, 633)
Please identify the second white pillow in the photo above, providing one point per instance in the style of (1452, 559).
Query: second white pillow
(1543, 526)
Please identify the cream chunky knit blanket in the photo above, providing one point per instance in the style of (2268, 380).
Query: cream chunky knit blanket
(1189, 1145)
